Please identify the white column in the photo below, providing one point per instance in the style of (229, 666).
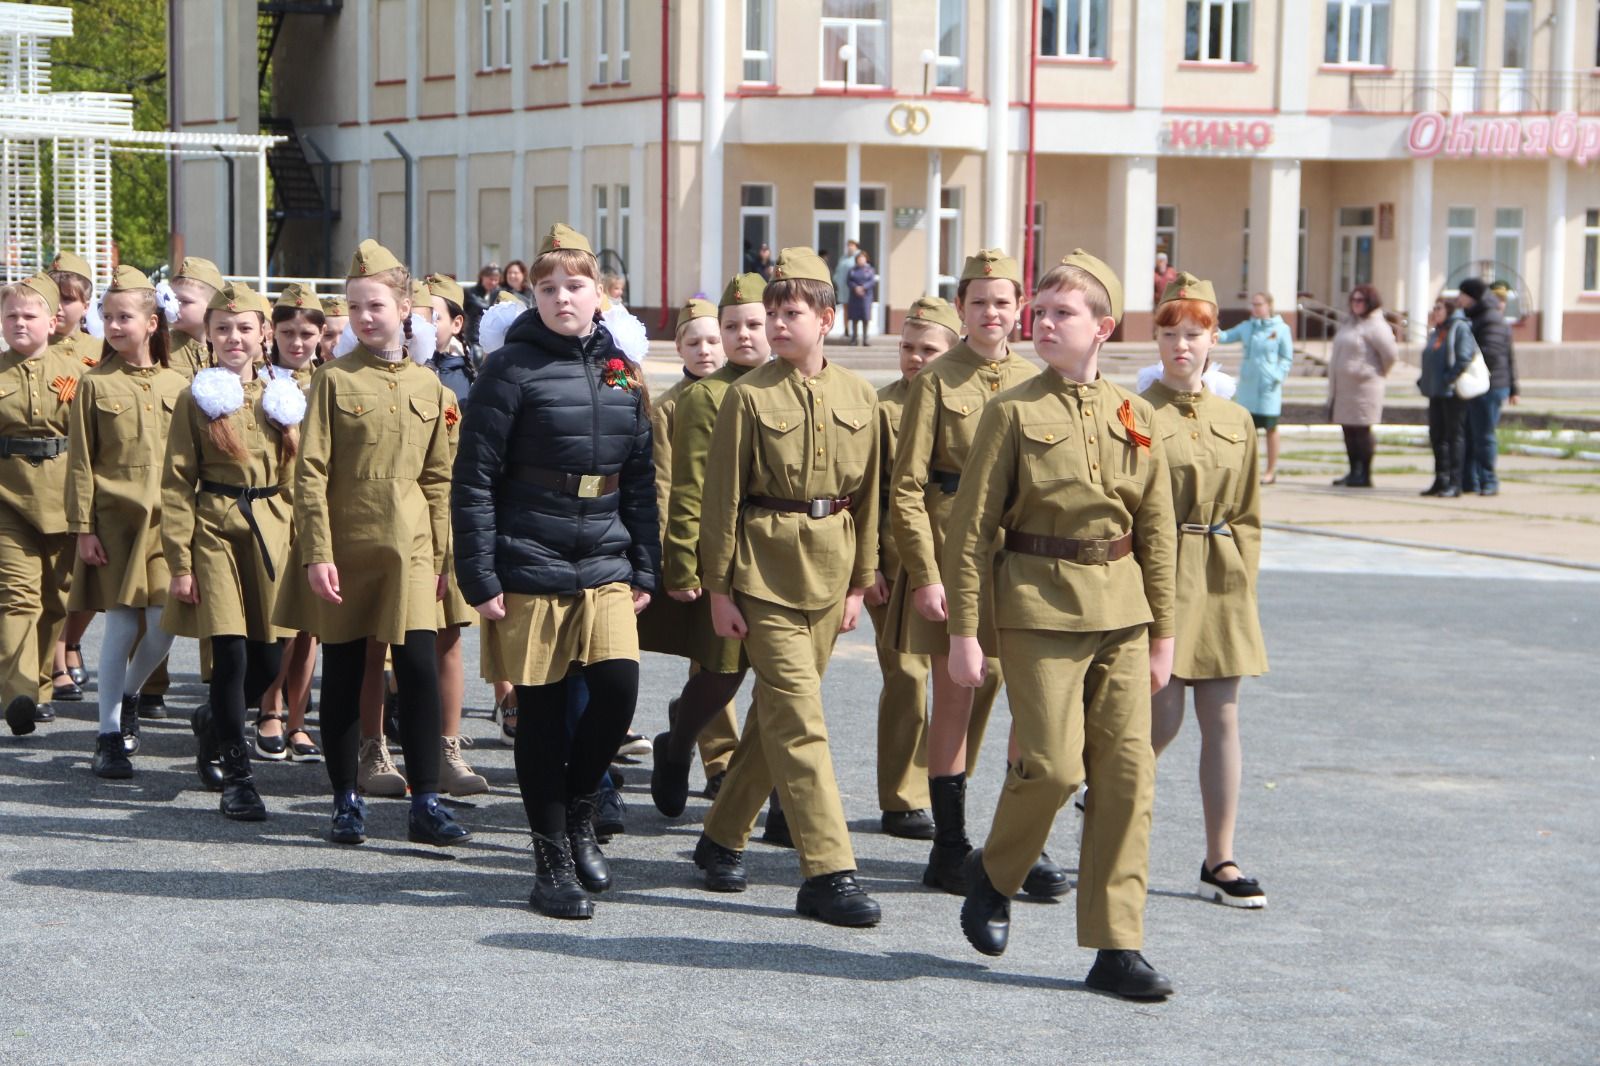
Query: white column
(714, 108)
(1419, 250)
(930, 281)
(1427, 31)
(414, 19)
(996, 169)
(1294, 28)
(1562, 41)
(1275, 228)
(1553, 268)
(1150, 58)
(638, 276)
(852, 194)
(1131, 211)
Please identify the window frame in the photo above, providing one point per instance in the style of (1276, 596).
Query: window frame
(851, 26)
(1086, 23)
(1591, 251)
(1453, 231)
(1365, 8)
(763, 56)
(768, 212)
(1510, 233)
(1230, 10)
(541, 15)
(1525, 9)
(943, 62)
(486, 24)
(602, 55)
(602, 217)
(565, 55)
(953, 251)
(624, 45)
(1171, 230)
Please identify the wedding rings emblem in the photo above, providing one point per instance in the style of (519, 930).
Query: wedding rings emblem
(908, 119)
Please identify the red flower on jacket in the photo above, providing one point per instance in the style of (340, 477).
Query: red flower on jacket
(616, 366)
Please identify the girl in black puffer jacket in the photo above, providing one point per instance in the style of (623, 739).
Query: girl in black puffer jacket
(557, 546)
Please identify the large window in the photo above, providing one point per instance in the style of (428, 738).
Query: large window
(951, 251)
(1591, 250)
(1461, 224)
(495, 35)
(1357, 33)
(758, 41)
(1167, 232)
(1518, 42)
(602, 219)
(546, 31)
(757, 217)
(602, 32)
(624, 59)
(952, 61)
(1072, 29)
(855, 42)
(1507, 243)
(625, 225)
(1469, 34)
(1217, 31)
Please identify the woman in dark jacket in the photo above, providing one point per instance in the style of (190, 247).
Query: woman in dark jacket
(1448, 352)
(557, 547)
(1485, 311)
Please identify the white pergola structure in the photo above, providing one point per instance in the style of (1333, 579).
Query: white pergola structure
(81, 130)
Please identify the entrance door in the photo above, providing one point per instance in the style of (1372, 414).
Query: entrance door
(829, 222)
(1354, 236)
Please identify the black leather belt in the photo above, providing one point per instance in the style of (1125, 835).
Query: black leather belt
(585, 486)
(36, 449)
(821, 507)
(1087, 552)
(947, 481)
(246, 496)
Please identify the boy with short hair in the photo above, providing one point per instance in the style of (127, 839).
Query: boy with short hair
(74, 279)
(195, 283)
(1064, 467)
(788, 547)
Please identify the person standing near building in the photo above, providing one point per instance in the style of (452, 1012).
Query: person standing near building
(862, 282)
(841, 271)
(1210, 447)
(1448, 351)
(479, 298)
(1493, 335)
(38, 382)
(1264, 365)
(1065, 469)
(943, 408)
(1363, 354)
(1165, 273)
(789, 546)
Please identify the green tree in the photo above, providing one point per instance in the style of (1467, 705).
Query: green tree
(120, 46)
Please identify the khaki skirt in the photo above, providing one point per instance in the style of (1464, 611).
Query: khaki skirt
(542, 637)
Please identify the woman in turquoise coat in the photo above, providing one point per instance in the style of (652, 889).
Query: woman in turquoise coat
(1268, 354)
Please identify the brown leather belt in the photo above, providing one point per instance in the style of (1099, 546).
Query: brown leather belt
(1087, 552)
(586, 486)
(821, 507)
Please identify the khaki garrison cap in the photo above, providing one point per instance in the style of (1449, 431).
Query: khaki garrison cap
(935, 312)
(694, 309)
(563, 237)
(421, 298)
(298, 296)
(1188, 287)
(743, 289)
(801, 263)
(237, 296)
(48, 291)
(991, 263)
(337, 306)
(203, 270)
(1101, 272)
(68, 263)
(372, 258)
(126, 278)
(447, 288)
(506, 296)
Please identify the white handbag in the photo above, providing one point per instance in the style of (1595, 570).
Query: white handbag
(1474, 380)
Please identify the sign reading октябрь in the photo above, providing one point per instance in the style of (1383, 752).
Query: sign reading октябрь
(1562, 136)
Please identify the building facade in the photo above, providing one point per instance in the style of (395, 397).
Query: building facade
(1297, 147)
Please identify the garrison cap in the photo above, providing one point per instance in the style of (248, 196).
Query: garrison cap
(337, 306)
(46, 287)
(1099, 270)
(693, 309)
(372, 258)
(447, 288)
(743, 289)
(991, 263)
(126, 278)
(506, 296)
(202, 270)
(420, 296)
(237, 296)
(1188, 287)
(799, 263)
(68, 263)
(935, 312)
(563, 237)
(298, 296)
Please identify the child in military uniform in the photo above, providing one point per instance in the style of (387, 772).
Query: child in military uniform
(196, 284)
(120, 418)
(38, 381)
(1210, 445)
(335, 317)
(1064, 470)
(557, 546)
(225, 528)
(942, 410)
(788, 548)
(375, 441)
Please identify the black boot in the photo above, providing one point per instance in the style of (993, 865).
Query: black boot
(1451, 489)
(240, 800)
(950, 843)
(1047, 879)
(590, 864)
(556, 892)
(1436, 488)
(837, 899)
(1361, 476)
(985, 914)
(207, 751)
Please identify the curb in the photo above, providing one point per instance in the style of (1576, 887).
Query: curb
(1395, 542)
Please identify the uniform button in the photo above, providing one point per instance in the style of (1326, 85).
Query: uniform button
(391, 384)
(1091, 438)
(392, 410)
(145, 387)
(783, 425)
(964, 408)
(359, 408)
(147, 407)
(1094, 466)
(994, 386)
(1191, 414)
(819, 452)
(1194, 436)
(1049, 437)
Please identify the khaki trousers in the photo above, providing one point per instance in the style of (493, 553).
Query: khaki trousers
(785, 739)
(903, 722)
(35, 569)
(1080, 703)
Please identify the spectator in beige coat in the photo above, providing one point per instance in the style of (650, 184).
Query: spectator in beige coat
(1363, 354)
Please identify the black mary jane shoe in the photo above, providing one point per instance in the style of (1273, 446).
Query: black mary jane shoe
(20, 715)
(1244, 892)
(79, 673)
(724, 867)
(43, 712)
(302, 750)
(908, 825)
(64, 689)
(837, 899)
(273, 748)
(985, 913)
(434, 824)
(1127, 974)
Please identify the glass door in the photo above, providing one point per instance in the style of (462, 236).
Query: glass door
(829, 222)
(1354, 237)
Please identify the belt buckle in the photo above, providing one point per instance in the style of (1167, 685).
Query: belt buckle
(1094, 552)
(821, 507)
(589, 485)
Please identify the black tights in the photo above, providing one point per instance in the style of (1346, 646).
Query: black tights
(241, 670)
(703, 697)
(1359, 444)
(416, 672)
(553, 767)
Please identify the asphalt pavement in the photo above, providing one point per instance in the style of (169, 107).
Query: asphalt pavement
(1421, 803)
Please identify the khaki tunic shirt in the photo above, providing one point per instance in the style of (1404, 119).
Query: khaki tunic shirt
(31, 407)
(795, 438)
(891, 409)
(1210, 447)
(661, 425)
(85, 347)
(372, 489)
(118, 448)
(188, 355)
(942, 410)
(206, 535)
(693, 424)
(1051, 457)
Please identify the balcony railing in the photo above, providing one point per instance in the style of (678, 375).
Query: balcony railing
(1468, 91)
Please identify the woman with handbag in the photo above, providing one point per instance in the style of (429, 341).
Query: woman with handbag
(1446, 357)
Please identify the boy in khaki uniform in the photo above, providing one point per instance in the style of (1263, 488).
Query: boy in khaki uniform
(37, 383)
(196, 283)
(789, 546)
(1064, 468)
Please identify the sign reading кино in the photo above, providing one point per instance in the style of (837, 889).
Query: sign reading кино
(1561, 136)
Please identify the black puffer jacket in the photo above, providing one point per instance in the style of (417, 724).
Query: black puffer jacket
(541, 402)
(1494, 341)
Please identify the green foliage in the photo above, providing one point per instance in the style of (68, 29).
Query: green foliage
(120, 46)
